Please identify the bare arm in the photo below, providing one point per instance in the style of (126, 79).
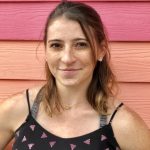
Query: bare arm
(9, 118)
(13, 113)
(130, 130)
(6, 133)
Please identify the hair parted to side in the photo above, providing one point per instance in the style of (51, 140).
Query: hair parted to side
(103, 84)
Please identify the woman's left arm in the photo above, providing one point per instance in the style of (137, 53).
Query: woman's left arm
(131, 131)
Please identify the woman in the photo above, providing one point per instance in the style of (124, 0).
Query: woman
(77, 108)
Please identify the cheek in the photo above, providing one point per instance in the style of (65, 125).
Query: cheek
(52, 66)
(53, 62)
(87, 59)
(51, 57)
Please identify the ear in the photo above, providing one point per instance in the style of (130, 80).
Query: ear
(101, 55)
(102, 51)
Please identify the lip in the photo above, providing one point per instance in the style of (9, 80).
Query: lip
(70, 69)
(69, 72)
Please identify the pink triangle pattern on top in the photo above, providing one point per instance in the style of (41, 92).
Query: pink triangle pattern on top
(24, 139)
(17, 133)
(32, 127)
(30, 145)
(88, 141)
(43, 135)
(73, 146)
(103, 137)
(52, 143)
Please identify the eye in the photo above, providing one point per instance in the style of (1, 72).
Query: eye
(56, 46)
(81, 45)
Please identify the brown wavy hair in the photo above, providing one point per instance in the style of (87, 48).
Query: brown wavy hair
(103, 84)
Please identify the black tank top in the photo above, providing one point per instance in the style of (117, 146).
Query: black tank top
(32, 136)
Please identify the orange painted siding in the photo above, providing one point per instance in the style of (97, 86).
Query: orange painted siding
(136, 95)
(19, 60)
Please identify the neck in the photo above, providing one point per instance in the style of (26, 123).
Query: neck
(73, 97)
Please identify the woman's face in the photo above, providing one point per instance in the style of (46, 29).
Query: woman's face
(68, 53)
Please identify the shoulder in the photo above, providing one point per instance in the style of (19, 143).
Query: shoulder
(15, 108)
(13, 112)
(130, 130)
(10, 107)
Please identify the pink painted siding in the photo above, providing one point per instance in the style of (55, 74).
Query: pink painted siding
(125, 21)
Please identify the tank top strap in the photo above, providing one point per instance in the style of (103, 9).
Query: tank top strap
(28, 101)
(37, 100)
(103, 120)
(115, 112)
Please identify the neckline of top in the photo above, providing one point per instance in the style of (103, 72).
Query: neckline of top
(84, 136)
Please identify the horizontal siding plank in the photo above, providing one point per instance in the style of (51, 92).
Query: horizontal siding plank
(135, 95)
(19, 60)
(11, 87)
(131, 61)
(125, 21)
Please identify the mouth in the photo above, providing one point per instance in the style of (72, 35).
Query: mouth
(70, 69)
(69, 72)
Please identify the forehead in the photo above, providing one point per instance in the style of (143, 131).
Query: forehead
(65, 29)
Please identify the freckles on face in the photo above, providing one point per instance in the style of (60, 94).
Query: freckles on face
(68, 52)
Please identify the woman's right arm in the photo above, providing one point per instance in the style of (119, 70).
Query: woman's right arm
(12, 113)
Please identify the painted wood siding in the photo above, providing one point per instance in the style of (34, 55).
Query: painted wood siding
(128, 27)
(124, 21)
(25, 60)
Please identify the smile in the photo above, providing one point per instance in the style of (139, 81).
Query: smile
(69, 69)
(69, 72)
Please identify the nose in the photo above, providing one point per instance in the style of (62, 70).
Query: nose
(68, 56)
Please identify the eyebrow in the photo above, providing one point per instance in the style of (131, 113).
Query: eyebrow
(58, 40)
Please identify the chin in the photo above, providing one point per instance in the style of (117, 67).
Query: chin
(74, 82)
(70, 83)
